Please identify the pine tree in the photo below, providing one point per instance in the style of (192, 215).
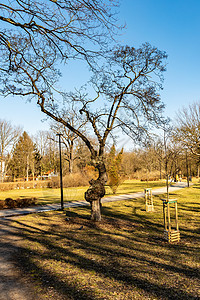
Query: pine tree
(22, 162)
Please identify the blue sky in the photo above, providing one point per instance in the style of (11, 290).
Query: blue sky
(172, 26)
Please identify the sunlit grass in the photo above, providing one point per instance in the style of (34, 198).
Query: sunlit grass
(45, 195)
(134, 186)
(48, 195)
(123, 257)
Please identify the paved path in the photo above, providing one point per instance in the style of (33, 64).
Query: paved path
(13, 286)
(29, 210)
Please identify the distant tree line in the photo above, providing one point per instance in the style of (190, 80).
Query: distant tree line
(173, 152)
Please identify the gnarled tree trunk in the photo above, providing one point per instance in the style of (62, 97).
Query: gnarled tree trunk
(96, 191)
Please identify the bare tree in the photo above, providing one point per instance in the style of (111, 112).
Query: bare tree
(9, 135)
(41, 139)
(48, 151)
(37, 34)
(69, 138)
(188, 128)
(126, 88)
(168, 150)
(127, 98)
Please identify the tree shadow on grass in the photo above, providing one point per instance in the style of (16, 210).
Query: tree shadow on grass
(100, 253)
(187, 207)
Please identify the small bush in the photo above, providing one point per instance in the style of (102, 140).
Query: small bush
(19, 202)
(54, 183)
(70, 180)
(25, 202)
(77, 179)
(150, 179)
(143, 176)
(10, 203)
(7, 186)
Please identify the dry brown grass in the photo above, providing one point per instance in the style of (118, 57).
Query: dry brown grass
(123, 257)
(7, 186)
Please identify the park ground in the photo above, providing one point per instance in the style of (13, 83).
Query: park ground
(50, 195)
(65, 256)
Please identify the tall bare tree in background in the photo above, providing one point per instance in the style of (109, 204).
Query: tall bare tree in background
(188, 127)
(48, 150)
(69, 138)
(9, 134)
(188, 134)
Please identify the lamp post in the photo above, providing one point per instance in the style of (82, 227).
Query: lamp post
(61, 181)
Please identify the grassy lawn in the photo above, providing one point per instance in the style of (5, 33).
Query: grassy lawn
(134, 186)
(123, 257)
(45, 196)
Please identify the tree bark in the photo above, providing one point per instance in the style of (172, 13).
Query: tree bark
(96, 210)
(71, 159)
(96, 191)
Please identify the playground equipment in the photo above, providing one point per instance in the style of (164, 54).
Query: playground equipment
(171, 235)
(148, 200)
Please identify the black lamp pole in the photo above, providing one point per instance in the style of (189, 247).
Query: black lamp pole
(61, 181)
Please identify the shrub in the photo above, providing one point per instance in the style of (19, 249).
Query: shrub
(144, 176)
(25, 202)
(150, 179)
(77, 179)
(54, 183)
(114, 168)
(71, 180)
(19, 202)
(7, 186)
(10, 203)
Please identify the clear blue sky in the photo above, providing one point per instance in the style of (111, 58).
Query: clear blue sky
(172, 26)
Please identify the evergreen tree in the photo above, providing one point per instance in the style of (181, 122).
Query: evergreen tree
(22, 163)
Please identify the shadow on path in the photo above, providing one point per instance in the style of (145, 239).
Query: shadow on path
(12, 285)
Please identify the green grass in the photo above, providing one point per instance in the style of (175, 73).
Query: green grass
(134, 186)
(45, 196)
(67, 256)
